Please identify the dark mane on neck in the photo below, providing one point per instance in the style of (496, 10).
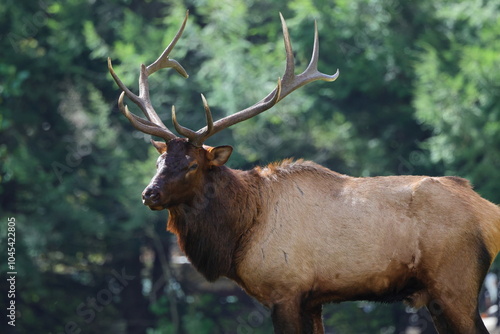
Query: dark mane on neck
(210, 229)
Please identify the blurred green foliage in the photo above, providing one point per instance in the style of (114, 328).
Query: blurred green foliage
(418, 93)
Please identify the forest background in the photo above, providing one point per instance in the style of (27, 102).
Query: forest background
(418, 93)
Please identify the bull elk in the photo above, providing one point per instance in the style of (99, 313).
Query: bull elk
(296, 235)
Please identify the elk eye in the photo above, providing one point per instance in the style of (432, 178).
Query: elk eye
(192, 167)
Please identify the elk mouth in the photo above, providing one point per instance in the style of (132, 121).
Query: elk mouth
(153, 205)
(156, 208)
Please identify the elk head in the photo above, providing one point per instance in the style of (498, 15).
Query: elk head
(181, 170)
(184, 162)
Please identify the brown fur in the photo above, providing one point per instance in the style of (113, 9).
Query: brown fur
(296, 235)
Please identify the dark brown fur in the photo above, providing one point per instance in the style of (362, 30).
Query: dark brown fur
(212, 229)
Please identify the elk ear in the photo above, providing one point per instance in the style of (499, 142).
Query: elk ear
(217, 156)
(160, 146)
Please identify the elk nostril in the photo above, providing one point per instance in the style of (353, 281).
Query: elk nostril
(151, 194)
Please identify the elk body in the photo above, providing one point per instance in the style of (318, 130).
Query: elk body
(296, 235)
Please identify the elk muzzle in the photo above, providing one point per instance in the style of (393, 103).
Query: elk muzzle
(151, 196)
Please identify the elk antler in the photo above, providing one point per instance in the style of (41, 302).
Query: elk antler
(154, 125)
(288, 84)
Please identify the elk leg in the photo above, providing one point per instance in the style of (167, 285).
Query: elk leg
(286, 318)
(312, 322)
(454, 289)
(456, 317)
(441, 322)
(318, 320)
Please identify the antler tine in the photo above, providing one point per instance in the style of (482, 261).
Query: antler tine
(153, 125)
(188, 133)
(142, 124)
(208, 113)
(195, 138)
(291, 81)
(290, 59)
(288, 84)
(164, 61)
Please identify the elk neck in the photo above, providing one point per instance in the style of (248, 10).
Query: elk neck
(212, 228)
